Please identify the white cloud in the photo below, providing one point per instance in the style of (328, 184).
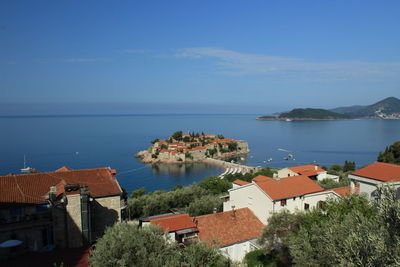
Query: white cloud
(235, 63)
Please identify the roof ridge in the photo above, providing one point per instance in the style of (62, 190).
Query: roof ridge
(48, 172)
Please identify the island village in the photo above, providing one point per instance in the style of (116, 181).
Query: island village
(192, 147)
(69, 209)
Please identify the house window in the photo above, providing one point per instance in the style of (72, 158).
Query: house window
(283, 202)
(306, 206)
(294, 198)
(320, 205)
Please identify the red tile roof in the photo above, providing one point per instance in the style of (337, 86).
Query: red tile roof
(173, 222)
(227, 228)
(345, 190)
(34, 187)
(380, 171)
(240, 182)
(287, 187)
(309, 170)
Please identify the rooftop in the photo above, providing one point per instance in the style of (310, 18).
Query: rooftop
(309, 170)
(380, 171)
(34, 187)
(229, 227)
(173, 222)
(287, 187)
(240, 182)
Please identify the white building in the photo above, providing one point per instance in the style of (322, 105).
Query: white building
(265, 195)
(373, 175)
(234, 231)
(311, 171)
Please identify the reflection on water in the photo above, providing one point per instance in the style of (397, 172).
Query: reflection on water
(192, 169)
(183, 169)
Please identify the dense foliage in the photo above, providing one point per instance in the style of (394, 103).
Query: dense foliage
(312, 113)
(391, 154)
(249, 176)
(351, 231)
(198, 199)
(126, 245)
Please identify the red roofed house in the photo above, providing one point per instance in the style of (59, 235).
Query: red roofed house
(234, 231)
(373, 175)
(238, 183)
(266, 195)
(64, 208)
(312, 171)
(180, 227)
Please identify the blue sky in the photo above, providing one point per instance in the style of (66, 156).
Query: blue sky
(272, 55)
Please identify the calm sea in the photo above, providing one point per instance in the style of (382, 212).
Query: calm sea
(98, 141)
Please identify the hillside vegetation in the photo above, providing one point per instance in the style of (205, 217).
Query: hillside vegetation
(388, 105)
(313, 113)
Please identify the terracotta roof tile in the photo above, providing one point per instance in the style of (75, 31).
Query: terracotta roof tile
(173, 223)
(34, 187)
(309, 170)
(287, 187)
(227, 228)
(345, 190)
(380, 171)
(240, 182)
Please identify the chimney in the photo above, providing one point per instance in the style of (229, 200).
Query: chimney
(316, 167)
(215, 210)
(277, 178)
(233, 217)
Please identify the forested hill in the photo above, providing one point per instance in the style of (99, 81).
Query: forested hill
(388, 105)
(313, 113)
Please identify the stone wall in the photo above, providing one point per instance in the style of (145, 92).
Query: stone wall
(105, 212)
(74, 221)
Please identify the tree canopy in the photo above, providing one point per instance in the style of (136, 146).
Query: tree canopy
(391, 154)
(351, 231)
(127, 245)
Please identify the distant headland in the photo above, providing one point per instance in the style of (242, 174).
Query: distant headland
(192, 147)
(388, 108)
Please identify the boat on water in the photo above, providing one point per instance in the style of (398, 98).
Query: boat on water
(26, 169)
(288, 120)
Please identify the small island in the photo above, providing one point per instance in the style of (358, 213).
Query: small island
(307, 114)
(192, 147)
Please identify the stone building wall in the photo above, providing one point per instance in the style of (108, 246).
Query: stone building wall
(104, 212)
(74, 221)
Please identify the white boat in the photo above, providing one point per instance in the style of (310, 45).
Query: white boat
(288, 120)
(26, 169)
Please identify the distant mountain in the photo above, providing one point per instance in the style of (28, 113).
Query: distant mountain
(386, 106)
(313, 113)
(348, 110)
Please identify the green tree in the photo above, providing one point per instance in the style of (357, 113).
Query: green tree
(138, 192)
(205, 205)
(391, 154)
(177, 135)
(336, 168)
(215, 185)
(202, 255)
(126, 245)
(232, 146)
(155, 141)
(349, 166)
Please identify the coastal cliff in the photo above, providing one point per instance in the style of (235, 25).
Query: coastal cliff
(191, 147)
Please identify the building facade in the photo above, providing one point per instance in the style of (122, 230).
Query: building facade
(64, 208)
